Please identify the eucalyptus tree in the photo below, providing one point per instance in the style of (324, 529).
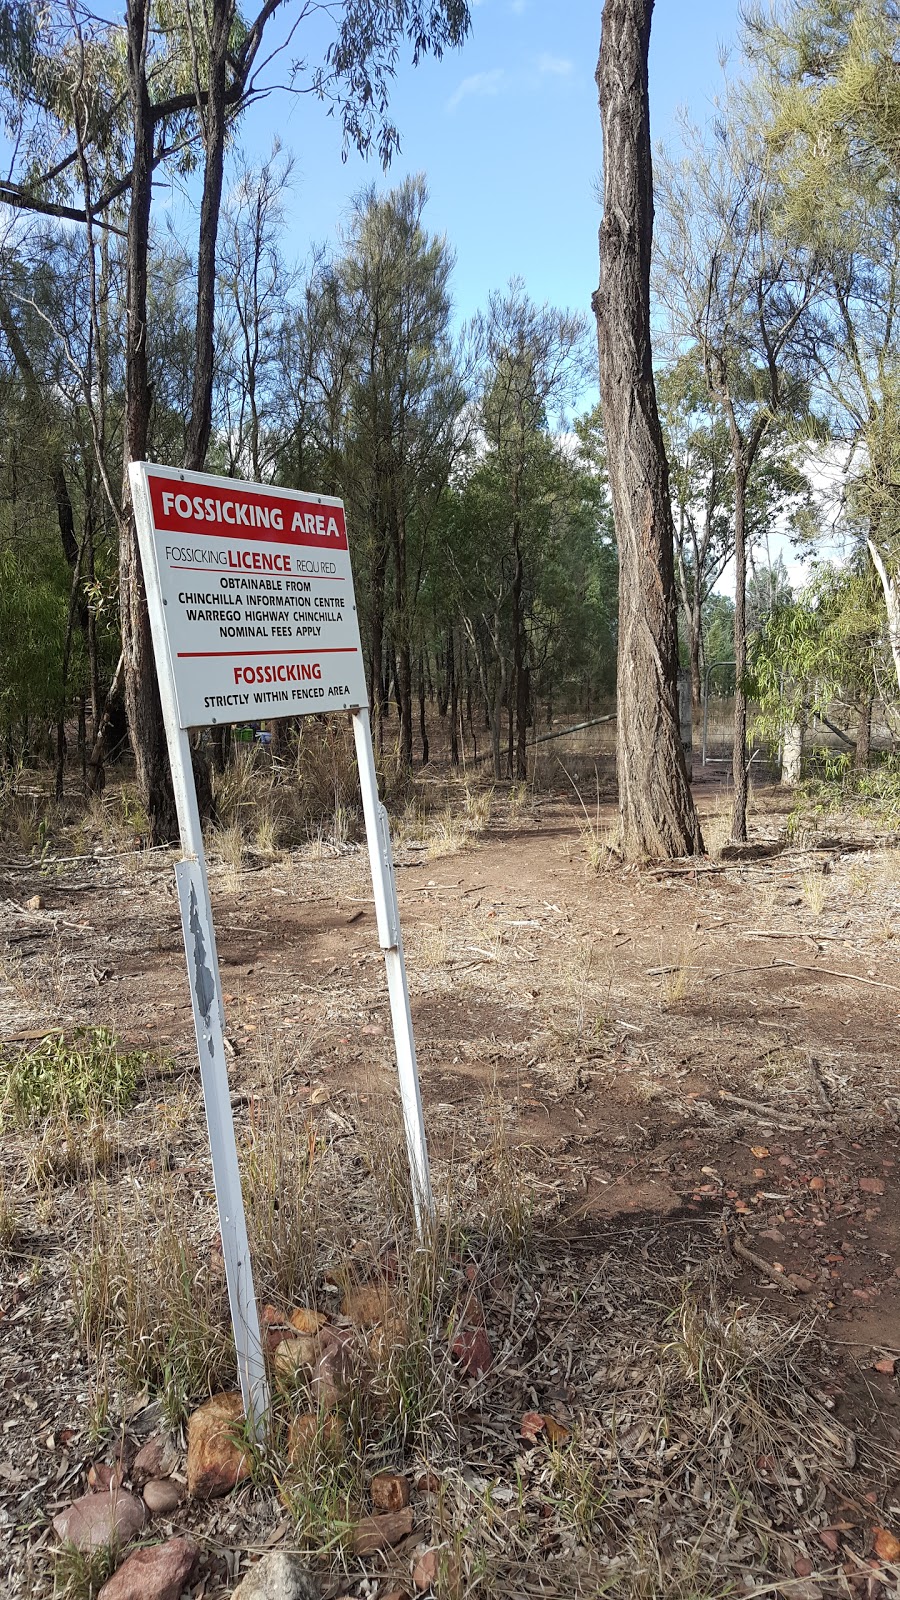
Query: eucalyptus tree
(94, 108)
(255, 302)
(700, 478)
(534, 366)
(391, 394)
(737, 293)
(658, 817)
(830, 108)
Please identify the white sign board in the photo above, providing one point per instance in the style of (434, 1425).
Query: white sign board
(257, 590)
(252, 613)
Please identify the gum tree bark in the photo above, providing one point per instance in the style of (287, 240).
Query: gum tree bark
(145, 722)
(658, 818)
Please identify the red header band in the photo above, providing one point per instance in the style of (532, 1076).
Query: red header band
(209, 511)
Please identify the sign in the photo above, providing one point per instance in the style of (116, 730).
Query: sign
(252, 613)
(257, 590)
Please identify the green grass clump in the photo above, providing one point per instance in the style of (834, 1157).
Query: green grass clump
(75, 1077)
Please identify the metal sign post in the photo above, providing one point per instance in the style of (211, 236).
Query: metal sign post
(252, 613)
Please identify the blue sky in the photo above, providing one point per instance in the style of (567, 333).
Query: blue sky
(507, 132)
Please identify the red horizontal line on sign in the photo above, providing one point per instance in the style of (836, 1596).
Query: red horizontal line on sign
(331, 650)
(320, 577)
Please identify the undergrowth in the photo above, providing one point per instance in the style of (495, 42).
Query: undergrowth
(74, 1077)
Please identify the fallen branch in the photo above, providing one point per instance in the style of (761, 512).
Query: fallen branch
(767, 1113)
(787, 1280)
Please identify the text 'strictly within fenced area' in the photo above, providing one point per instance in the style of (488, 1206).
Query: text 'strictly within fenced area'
(250, 593)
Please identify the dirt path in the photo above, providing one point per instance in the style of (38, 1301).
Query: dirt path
(662, 1051)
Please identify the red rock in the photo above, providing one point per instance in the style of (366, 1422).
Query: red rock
(156, 1459)
(390, 1491)
(216, 1460)
(428, 1483)
(472, 1350)
(532, 1425)
(379, 1533)
(103, 1476)
(367, 1305)
(871, 1185)
(333, 1372)
(111, 1517)
(163, 1494)
(158, 1572)
(439, 1570)
(425, 1570)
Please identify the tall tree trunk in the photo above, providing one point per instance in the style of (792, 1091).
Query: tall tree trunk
(863, 730)
(739, 754)
(658, 817)
(453, 688)
(376, 671)
(142, 705)
(519, 766)
(423, 721)
(695, 629)
(891, 590)
(213, 122)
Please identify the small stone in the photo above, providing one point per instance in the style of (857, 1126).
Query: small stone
(216, 1461)
(428, 1483)
(312, 1430)
(390, 1491)
(103, 1476)
(306, 1321)
(425, 1570)
(871, 1185)
(158, 1572)
(299, 1350)
(440, 1570)
(34, 904)
(394, 1594)
(367, 1305)
(333, 1372)
(111, 1517)
(472, 1349)
(380, 1532)
(158, 1458)
(278, 1576)
(163, 1494)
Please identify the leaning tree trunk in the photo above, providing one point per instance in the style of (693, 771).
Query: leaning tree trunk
(142, 703)
(657, 811)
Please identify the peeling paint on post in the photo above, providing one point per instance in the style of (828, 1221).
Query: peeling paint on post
(246, 537)
(200, 951)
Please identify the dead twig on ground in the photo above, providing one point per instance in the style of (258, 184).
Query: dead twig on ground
(786, 1280)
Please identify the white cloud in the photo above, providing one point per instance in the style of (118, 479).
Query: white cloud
(554, 66)
(479, 83)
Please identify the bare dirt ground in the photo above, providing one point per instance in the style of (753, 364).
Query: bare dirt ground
(679, 1091)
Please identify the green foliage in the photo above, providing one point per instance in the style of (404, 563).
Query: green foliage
(834, 787)
(827, 642)
(75, 1077)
